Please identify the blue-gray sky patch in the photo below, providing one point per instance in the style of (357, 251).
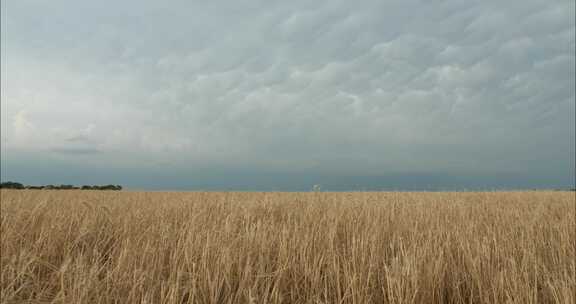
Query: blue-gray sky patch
(326, 88)
(76, 151)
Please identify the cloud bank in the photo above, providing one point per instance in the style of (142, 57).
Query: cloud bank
(341, 87)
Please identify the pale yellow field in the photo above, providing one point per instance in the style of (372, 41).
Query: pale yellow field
(131, 247)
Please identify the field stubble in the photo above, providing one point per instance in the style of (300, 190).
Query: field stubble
(136, 247)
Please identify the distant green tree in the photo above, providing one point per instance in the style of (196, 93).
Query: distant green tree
(35, 187)
(14, 185)
(11, 185)
(110, 187)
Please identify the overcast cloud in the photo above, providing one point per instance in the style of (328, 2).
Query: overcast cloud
(356, 88)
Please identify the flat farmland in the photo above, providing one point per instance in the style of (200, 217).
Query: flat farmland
(317, 247)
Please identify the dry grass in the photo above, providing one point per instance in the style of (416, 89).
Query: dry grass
(129, 247)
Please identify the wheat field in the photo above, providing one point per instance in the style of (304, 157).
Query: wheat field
(361, 247)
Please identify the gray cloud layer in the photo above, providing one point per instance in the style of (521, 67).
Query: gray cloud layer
(362, 87)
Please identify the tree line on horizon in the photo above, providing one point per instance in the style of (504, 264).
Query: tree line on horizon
(19, 186)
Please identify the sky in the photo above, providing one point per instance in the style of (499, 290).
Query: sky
(283, 95)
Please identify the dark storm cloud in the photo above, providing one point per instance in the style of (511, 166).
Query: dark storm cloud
(327, 86)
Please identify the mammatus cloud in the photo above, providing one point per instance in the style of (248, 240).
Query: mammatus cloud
(368, 86)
